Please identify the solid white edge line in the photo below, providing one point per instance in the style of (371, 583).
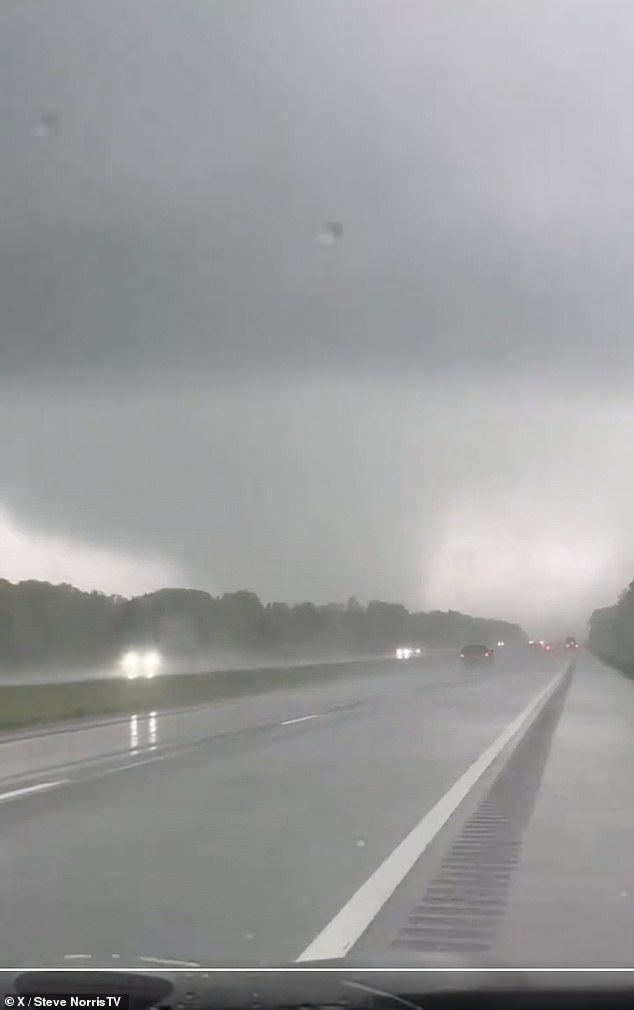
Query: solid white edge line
(343, 931)
(301, 718)
(14, 794)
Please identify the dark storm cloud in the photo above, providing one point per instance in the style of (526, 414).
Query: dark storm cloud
(405, 492)
(190, 373)
(168, 221)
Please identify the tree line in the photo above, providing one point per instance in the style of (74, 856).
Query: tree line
(61, 626)
(611, 632)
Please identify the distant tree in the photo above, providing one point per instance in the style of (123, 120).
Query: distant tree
(386, 622)
(611, 632)
(46, 625)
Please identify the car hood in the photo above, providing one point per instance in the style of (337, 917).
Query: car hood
(173, 984)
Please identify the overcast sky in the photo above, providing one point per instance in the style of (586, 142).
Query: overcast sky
(195, 389)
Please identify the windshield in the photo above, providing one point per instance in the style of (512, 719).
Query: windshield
(316, 357)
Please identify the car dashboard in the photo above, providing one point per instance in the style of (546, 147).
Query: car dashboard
(316, 989)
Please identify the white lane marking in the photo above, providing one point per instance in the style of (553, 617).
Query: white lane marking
(100, 773)
(342, 932)
(13, 795)
(168, 960)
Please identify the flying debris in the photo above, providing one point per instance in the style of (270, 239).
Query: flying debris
(331, 233)
(47, 125)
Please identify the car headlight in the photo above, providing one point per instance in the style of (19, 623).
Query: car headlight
(137, 664)
(130, 664)
(151, 662)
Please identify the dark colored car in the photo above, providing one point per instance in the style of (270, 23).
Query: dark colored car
(540, 646)
(472, 654)
(571, 644)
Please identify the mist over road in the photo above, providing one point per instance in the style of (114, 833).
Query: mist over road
(237, 832)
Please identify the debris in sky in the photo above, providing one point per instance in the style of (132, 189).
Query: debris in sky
(47, 125)
(333, 232)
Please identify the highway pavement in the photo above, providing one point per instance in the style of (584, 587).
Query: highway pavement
(407, 809)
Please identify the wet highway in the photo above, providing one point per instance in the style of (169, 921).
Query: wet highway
(343, 819)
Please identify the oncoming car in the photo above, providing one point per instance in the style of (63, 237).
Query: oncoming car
(144, 663)
(472, 654)
(409, 652)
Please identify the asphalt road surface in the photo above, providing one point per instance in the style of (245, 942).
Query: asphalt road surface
(408, 809)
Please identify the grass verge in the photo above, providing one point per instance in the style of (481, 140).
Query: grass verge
(40, 704)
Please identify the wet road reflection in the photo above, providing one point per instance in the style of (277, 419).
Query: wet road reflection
(143, 732)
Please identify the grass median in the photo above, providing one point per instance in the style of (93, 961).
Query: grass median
(40, 704)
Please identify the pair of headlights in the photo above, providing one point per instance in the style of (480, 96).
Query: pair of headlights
(141, 664)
